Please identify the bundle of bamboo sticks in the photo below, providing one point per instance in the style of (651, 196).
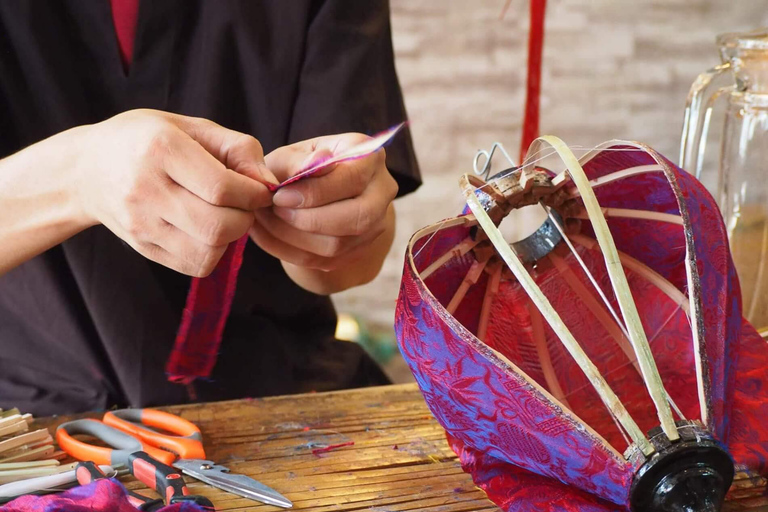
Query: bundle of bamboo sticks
(24, 453)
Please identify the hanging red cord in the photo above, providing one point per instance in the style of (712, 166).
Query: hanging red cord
(533, 86)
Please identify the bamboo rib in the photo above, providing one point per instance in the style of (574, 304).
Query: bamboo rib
(491, 290)
(594, 306)
(471, 278)
(702, 369)
(645, 271)
(537, 327)
(583, 265)
(623, 295)
(606, 394)
(635, 214)
(456, 251)
(614, 176)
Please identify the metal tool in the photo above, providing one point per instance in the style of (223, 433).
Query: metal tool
(219, 477)
(188, 446)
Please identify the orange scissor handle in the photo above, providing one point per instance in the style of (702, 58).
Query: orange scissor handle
(187, 443)
(122, 443)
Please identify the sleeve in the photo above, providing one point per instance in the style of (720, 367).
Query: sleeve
(349, 84)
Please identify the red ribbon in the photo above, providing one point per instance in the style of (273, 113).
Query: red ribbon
(533, 86)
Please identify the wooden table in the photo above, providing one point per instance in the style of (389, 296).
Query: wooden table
(399, 461)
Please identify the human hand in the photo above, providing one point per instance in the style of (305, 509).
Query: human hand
(328, 220)
(177, 189)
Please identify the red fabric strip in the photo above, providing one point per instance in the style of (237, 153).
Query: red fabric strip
(202, 324)
(533, 86)
(125, 14)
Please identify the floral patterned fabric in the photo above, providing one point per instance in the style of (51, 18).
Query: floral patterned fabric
(105, 495)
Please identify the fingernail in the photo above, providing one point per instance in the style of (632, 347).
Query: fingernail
(288, 198)
(286, 214)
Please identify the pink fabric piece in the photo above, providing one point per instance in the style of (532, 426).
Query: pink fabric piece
(104, 495)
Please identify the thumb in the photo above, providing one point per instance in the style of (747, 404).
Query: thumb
(291, 160)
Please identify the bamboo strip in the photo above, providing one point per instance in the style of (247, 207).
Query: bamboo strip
(595, 307)
(25, 439)
(28, 455)
(615, 176)
(491, 290)
(471, 278)
(24, 474)
(635, 214)
(10, 420)
(606, 394)
(27, 448)
(8, 466)
(15, 427)
(644, 270)
(583, 265)
(456, 251)
(539, 338)
(621, 288)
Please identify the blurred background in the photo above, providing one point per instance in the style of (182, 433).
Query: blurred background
(612, 70)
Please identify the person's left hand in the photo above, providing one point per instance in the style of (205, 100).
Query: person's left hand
(325, 221)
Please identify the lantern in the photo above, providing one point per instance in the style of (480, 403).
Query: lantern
(602, 363)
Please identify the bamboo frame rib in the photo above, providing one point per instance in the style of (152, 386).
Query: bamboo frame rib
(622, 292)
(606, 394)
(615, 176)
(540, 339)
(456, 251)
(636, 214)
(644, 270)
(490, 292)
(469, 279)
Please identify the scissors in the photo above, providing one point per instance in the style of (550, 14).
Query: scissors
(135, 430)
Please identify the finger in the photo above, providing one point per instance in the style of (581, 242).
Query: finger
(299, 257)
(348, 180)
(349, 217)
(159, 255)
(287, 252)
(211, 225)
(321, 245)
(192, 167)
(238, 151)
(188, 254)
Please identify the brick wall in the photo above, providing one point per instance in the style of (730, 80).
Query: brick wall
(612, 69)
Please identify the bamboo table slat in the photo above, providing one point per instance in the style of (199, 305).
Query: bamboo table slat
(399, 461)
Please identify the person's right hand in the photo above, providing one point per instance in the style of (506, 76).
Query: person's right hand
(177, 189)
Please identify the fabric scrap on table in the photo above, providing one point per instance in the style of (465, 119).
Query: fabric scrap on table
(104, 495)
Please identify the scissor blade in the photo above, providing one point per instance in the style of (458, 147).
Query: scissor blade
(220, 477)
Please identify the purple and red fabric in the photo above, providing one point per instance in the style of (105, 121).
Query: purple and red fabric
(105, 495)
